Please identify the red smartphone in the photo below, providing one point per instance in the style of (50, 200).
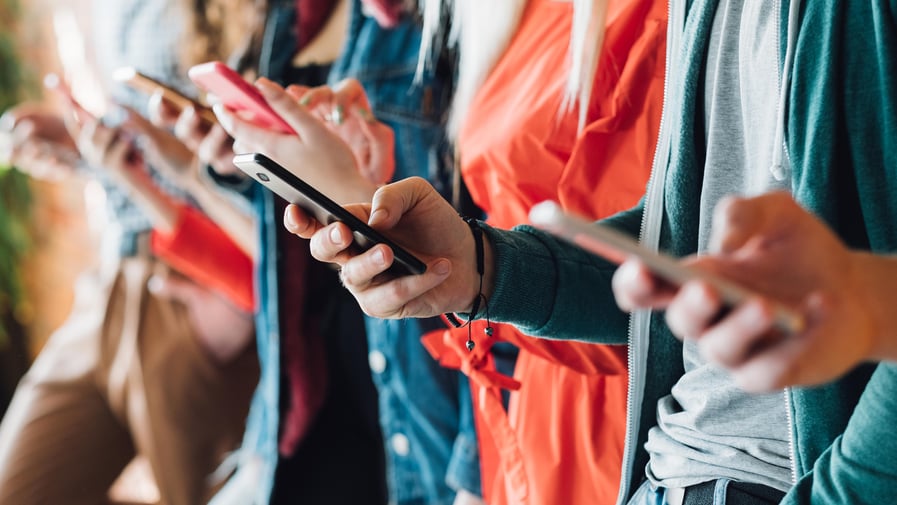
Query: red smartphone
(235, 93)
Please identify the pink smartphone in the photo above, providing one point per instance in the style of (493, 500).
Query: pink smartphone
(235, 93)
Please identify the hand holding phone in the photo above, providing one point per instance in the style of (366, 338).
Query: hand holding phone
(617, 247)
(150, 86)
(235, 93)
(294, 190)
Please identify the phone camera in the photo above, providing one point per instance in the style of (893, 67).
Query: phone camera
(262, 177)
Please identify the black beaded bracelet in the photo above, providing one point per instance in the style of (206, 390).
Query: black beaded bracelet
(480, 298)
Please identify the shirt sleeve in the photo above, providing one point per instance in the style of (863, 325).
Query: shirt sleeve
(860, 465)
(548, 287)
(201, 250)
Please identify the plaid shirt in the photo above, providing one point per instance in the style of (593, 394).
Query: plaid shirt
(145, 34)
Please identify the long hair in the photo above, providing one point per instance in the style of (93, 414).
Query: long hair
(482, 30)
(221, 29)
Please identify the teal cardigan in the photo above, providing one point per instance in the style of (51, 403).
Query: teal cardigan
(841, 140)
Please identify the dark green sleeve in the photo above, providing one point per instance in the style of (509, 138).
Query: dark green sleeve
(861, 465)
(550, 288)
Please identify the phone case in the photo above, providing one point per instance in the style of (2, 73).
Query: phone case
(294, 190)
(234, 92)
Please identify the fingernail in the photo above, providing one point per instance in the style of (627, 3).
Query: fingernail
(223, 116)
(442, 267)
(378, 216)
(264, 86)
(336, 236)
(305, 100)
(338, 115)
(378, 257)
(288, 220)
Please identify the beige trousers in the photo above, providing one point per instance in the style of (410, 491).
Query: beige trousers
(124, 375)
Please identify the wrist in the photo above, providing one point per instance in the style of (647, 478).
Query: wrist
(875, 275)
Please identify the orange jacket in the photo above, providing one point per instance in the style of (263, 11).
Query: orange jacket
(561, 440)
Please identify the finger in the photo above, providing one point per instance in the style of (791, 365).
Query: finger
(636, 288)
(78, 113)
(737, 220)
(190, 129)
(693, 309)
(330, 244)
(295, 115)
(247, 136)
(350, 94)
(402, 296)
(297, 91)
(23, 135)
(118, 152)
(299, 223)
(731, 341)
(216, 144)
(381, 155)
(392, 201)
(321, 96)
(162, 112)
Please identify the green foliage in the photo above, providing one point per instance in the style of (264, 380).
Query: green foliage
(15, 197)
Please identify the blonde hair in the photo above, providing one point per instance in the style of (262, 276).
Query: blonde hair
(482, 30)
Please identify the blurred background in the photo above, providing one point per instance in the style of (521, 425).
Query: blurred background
(45, 240)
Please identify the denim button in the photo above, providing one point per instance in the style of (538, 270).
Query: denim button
(400, 444)
(377, 361)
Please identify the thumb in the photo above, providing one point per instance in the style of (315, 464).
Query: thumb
(285, 105)
(738, 220)
(392, 201)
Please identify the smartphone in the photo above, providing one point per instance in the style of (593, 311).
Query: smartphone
(148, 85)
(616, 247)
(294, 190)
(234, 92)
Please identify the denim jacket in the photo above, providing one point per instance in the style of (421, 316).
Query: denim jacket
(425, 411)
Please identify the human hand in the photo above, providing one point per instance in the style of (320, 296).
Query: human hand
(345, 109)
(774, 248)
(207, 140)
(314, 153)
(171, 157)
(38, 142)
(113, 150)
(413, 214)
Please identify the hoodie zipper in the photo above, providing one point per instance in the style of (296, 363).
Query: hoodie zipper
(780, 143)
(649, 235)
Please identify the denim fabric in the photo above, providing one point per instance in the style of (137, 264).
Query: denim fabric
(426, 412)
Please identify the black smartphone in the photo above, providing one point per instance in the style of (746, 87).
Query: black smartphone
(294, 190)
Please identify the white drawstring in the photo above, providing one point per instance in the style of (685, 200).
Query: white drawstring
(778, 149)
